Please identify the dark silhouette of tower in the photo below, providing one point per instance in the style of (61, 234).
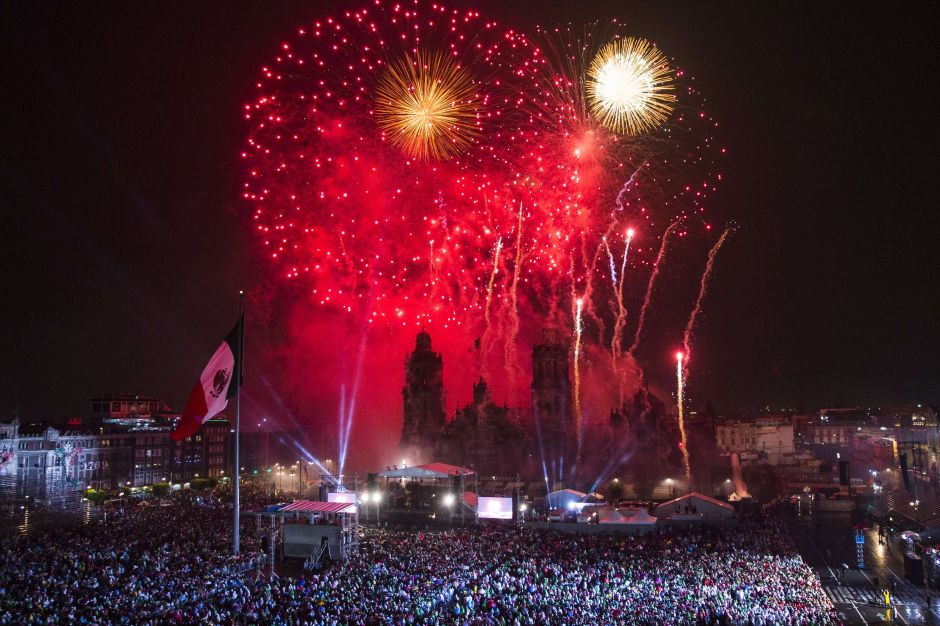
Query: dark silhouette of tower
(423, 396)
(551, 405)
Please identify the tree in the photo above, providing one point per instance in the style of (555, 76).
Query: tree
(201, 484)
(96, 496)
(160, 489)
(615, 490)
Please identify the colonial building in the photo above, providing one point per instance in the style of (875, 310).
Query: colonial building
(130, 410)
(766, 439)
(113, 456)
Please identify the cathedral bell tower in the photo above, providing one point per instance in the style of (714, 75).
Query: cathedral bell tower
(423, 397)
(551, 404)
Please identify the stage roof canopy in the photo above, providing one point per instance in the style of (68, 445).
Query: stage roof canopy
(429, 470)
(314, 506)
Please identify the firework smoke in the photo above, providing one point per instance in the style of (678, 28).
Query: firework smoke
(578, 416)
(513, 369)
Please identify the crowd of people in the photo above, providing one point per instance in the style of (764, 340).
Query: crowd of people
(506, 575)
(134, 562)
(172, 565)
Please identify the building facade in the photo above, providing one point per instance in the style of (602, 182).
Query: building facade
(113, 457)
(770, 440)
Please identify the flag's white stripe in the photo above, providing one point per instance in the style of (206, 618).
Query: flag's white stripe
(222, 360)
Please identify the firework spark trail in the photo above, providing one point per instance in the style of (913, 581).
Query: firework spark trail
(613, 266)
(626, 250)
(616, 342)
(486, 341)
(513, 368)
(680, 388)
(578, 418)
(649, 287)
(618, 203)
(589, 283)
(684, 356)
(703, 289)
(432, 271)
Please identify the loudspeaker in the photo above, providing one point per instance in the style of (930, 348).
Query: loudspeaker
(844, 473)
(904, 476)
(324, 493)
(515, 505)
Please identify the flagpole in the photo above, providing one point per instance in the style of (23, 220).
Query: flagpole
(238, 393)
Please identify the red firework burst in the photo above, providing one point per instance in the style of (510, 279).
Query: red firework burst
(340, 199)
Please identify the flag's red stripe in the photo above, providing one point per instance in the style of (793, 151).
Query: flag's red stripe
(192, 416)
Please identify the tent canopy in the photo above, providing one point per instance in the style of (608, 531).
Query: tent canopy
(429, 470)
(691, 499)
(579, 495)
(570, 492)
(697, 505)
(641, 517)
(612, 516)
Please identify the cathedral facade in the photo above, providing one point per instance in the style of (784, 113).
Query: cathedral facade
(638, 442)
(483, 435)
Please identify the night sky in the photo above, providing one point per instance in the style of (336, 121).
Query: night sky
(124, 242)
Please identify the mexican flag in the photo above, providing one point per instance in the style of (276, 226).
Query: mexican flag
(219, 381)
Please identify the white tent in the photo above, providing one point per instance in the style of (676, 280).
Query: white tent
(611, 516)
(641, 523)
(695, 504)
(642, 518)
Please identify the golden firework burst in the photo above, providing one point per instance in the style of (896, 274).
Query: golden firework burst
(427, 105)
(630, 86)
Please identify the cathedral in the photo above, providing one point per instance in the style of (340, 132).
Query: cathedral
(637, 440)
